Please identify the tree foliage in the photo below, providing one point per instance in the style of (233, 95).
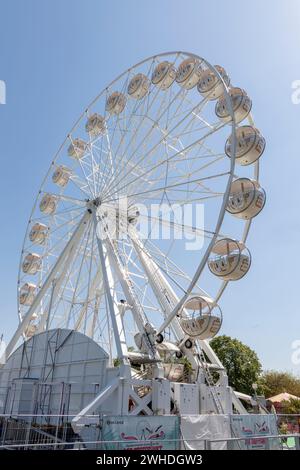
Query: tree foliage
(291, 406)
(241, 362)
(274, 382)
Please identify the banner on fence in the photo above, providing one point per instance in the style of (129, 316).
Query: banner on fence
(140, 432)
(254, 428)
(195, 429)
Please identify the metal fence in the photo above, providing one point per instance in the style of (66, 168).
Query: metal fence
(288, 423)
(287, 442)
(36, 432)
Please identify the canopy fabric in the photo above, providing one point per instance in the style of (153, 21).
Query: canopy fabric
(247, 398)
(282, 397)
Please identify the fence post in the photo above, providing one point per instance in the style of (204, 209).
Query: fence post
(230, 445)
(207, 444)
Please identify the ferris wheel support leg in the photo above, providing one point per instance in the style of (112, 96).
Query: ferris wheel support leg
(91, 328)
(132, 301)
(168, 300)
(97, 284)
(50, 304)
(57, 283)
(163, 291)
(115, 314)
(58, 265)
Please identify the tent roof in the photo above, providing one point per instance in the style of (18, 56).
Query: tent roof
(282, 397)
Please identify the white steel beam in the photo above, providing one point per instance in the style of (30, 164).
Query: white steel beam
(57, 266)
(57, 283)
(84, 416)
(164, 293)
(115, 315)
(132, 300)
(97, 284)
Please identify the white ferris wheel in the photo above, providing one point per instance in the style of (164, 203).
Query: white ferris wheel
(109, 248)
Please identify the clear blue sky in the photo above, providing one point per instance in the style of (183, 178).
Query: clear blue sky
(56, 55)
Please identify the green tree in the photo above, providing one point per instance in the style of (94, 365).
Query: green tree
(275, 382)
(241, 363)
(291, 406)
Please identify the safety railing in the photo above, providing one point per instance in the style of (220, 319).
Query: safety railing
(52, 432)
(288, 423)
(240, 443)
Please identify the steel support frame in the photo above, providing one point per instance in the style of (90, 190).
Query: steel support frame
(69, 248)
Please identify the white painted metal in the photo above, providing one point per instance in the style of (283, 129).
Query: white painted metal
(26, 319)
(84, 417)
(152, 138)
(116, 318)
(136, 308)
(57, 282)
(95, 167)
(165, 295)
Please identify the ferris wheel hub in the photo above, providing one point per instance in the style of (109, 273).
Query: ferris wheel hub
(97, 202)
